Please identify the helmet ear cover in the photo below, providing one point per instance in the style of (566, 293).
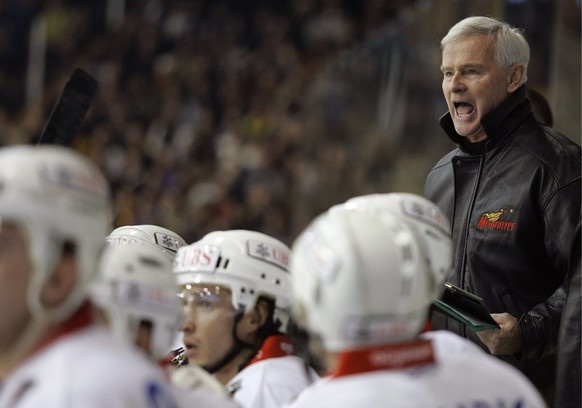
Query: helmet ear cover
(271, 324)
(268, 328)
(63, 202)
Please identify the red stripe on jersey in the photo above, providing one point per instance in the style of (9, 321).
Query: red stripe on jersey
(277, 345)
(389, 357)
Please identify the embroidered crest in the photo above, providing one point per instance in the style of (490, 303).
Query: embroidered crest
(497, 220)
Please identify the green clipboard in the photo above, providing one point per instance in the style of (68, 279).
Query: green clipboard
(466, 308)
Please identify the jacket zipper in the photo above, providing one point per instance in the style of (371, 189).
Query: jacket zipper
(467, 226)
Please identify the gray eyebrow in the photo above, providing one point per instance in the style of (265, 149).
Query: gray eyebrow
(464, 66)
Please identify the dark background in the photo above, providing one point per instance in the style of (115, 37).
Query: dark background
(259, 114)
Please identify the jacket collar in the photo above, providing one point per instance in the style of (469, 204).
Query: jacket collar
(498, 124)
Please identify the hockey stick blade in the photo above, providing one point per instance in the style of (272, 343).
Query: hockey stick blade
(65, 120)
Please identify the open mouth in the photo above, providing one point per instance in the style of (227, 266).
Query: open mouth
(463, 109)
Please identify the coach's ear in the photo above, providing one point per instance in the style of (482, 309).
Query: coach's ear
(61, 282)
(514, 77)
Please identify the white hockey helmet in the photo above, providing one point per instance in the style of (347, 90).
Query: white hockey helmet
(431, 224)
(249, 263)
(59, 197)
(164, 240)
(136, 285)
(361, 278)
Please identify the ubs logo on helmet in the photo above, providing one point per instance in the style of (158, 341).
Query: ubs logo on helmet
(269, 253)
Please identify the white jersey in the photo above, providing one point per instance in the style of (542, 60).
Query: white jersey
(202, 398)
(440, 372)
(447, 343)
(87, 368)
(270, 382)
(194, 377)
(194, 386)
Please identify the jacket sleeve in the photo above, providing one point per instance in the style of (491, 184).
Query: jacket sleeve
(540, 326)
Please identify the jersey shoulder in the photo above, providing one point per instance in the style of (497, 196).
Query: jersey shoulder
(271, 382)
(89, 368)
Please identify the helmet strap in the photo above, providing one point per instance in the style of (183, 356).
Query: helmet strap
(237, 347)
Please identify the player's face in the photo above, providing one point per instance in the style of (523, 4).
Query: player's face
(208, 323)
(473, 83)
(15, 270)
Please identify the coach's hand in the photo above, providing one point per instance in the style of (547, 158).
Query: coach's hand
(503, 341)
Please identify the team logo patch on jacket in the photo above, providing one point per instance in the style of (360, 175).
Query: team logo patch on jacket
(496, 220)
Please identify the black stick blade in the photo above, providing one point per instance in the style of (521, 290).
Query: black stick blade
(69, 111)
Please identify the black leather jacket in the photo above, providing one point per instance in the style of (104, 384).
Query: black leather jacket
(514, 207)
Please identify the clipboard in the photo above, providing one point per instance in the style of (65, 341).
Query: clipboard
(466, 308)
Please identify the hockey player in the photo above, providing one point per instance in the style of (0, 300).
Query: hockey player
(235, 286)
(362, 283)
(137, 294)
(55, 209)
(136, 288)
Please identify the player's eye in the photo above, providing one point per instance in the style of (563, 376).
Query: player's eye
(204, 304)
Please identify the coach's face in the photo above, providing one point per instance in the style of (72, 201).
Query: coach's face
(474, 84)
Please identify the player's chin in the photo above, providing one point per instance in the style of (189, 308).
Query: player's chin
(199, 361)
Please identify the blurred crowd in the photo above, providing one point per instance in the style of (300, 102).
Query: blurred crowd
(217, 114)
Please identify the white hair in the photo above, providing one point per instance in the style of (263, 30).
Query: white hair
(511, 47)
